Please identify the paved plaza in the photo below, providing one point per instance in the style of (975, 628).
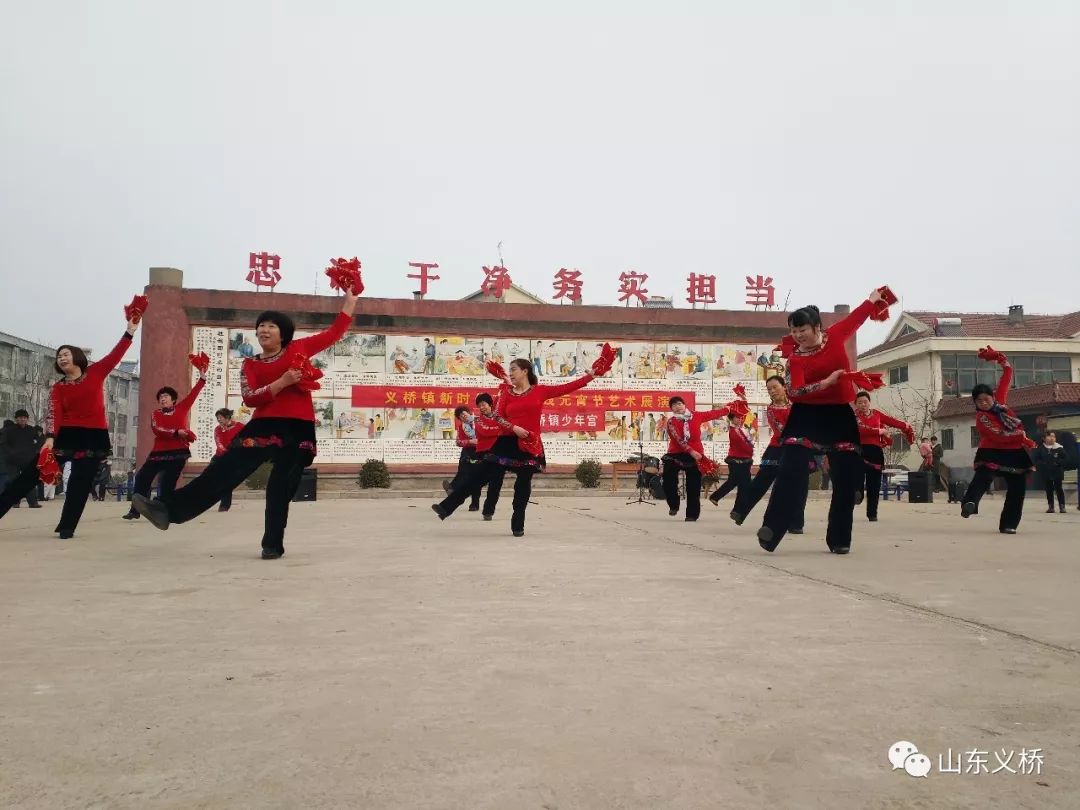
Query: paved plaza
(613, 658)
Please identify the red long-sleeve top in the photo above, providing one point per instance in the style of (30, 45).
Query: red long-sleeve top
(684, 435)
(523, 410)
(293, 402)
(166, 424)
(223, 436)
(740, 442)
(487, 431)
(870, 426)
(81, 402)
(808, 368)
(776, 416)
(993, 433)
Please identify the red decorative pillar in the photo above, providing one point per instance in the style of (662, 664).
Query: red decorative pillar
(166, 337)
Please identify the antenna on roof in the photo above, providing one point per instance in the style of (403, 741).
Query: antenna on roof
(786, 299)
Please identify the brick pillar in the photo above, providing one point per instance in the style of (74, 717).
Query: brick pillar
(166, 338)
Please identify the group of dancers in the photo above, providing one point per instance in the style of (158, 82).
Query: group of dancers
(821, 408)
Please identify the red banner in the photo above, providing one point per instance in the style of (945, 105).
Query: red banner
(584, 400)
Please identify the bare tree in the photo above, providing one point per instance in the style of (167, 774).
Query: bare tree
(34, 377)
(917, 408)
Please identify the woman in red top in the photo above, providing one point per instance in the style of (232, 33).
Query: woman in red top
(873, 437)
(172, 441)
(1003, 451)
(777, 417)
(281, 431)
(75, 428)
(224, 433)
(821, 421)
(739, 459)
(519, 449)
(685, 450)
(467, 441)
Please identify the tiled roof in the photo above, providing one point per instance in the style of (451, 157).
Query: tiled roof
(991, 326)
(1020, 399)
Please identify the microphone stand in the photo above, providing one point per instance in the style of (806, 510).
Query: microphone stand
(641, 489)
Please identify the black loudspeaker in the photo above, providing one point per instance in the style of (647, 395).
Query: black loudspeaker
(921, 487)
(309, 486)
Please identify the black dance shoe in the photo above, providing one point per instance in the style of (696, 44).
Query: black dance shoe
(736, 517)
(66, 535)
(519, 533)
(474, 508)
(438, 510)
(872, 518)
(795, 531)
(840, 549)
(131, 515)
(1062, 509)
(765, 539)
(967, 509)
(690, 520)
(673, 512)
(1050, 511)
(446, 486)
(272, 555)
(1007, 531)
(714, 499)
(38, 506)
(154, 511)
(488, 517)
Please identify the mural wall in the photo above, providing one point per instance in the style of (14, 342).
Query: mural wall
(392, 397)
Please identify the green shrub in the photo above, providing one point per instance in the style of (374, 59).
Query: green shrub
(588, 473)
(374, 475)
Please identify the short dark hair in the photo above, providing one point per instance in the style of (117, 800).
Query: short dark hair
(933, 438)
(459, 410)
(776, 377)
(167, 390)
(78, 357)
(223, 412)
(981, 388)
(22, 412)
(862, 394)
(485, 397)
(283, 322)
(809, 315)
(676, 400)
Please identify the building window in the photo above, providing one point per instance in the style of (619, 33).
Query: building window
(897, 375)
(112, 422)
(907, 330)
(947, 439)
(121, 452)
(7, 359)
(962, 371)
(974, 436)
(135, 421)
(5, 406)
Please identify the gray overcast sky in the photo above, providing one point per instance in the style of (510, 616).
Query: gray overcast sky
(834, 151)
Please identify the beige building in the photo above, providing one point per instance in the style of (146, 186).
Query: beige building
(930, 364)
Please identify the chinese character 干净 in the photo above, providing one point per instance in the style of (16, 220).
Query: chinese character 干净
(423, 276)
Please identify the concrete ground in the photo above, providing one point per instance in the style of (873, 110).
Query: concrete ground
(613, 658)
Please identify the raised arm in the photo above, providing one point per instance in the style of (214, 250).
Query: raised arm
(893, 423)
(311, 346)
(849, 324)
(184, 405)
(100, 370)
(552, 391)
(708, 416)
(1002, 393)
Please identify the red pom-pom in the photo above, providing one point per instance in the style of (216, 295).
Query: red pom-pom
(786, 346)
(740, 391)
(344, 274)
(909, 434)
(308, 373)
(200, 361)
(495, 369)
(137, 308)
(603, 363)
(48, 469)
(739, 408)
(992, 355)
(189, 436)
(707, 466)
(865, 380)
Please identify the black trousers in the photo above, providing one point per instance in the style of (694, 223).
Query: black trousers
(99, 491)
(23, 484)
(465, 464)
(1055, 488)
(746, 500)
(792, 482)
(169, 470)
(229, 471)
(871, 481)
(491, 475)
(693, 489)
(1016, 487)
(738, 477)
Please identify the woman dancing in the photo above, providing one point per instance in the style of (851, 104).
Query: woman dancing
(822, 388)
(172, 442)
(777, 416)
(224, 433)
(278, 384)
(1003, 448)
(739, 459)
(75, 428)
(873, 437)
(519, 449)
(685, 450)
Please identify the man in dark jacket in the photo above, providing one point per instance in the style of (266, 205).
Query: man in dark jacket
(22, 442)
(1050, 464)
